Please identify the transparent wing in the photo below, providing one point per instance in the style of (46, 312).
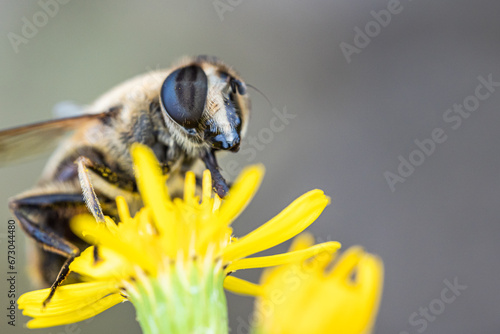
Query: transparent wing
(31, 140)
(65, 109)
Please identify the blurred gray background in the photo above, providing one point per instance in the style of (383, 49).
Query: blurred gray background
(353, 121)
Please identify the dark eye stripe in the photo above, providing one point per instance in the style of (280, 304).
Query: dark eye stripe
(183, 95)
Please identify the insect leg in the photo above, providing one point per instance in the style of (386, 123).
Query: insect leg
(99, 181)
(88, 190)
(111, 178)
(26, 209)
(219, 184)
(89, 196)
(110, 175)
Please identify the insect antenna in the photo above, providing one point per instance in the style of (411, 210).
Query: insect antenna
(261, 93)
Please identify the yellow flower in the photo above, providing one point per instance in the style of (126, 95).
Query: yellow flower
(306, 297)
(173, 257)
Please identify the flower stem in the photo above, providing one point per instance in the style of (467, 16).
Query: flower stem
(183, 301)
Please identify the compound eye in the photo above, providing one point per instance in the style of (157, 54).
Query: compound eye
(183, 95)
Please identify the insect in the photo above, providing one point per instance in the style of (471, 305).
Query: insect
(184, 114)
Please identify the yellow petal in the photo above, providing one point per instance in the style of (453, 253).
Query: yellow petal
(64, 292)
(241, 193)
(190, 188)
(319, 303)
(206, 186)
(291, 221)
(77, 314)
(86, 227)
(71, 303)
(370, 278)
(122, 208)
(110, 265)
(241, 287)
(151, 184)
(357, 303)
(280, 259)
(346, 263)
(302, 241)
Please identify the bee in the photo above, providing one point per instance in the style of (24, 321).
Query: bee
(185, 114)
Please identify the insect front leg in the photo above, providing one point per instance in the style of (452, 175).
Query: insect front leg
(218, 182)
(84, 166)
(110, 175)
(99, 179)
(89, 195)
